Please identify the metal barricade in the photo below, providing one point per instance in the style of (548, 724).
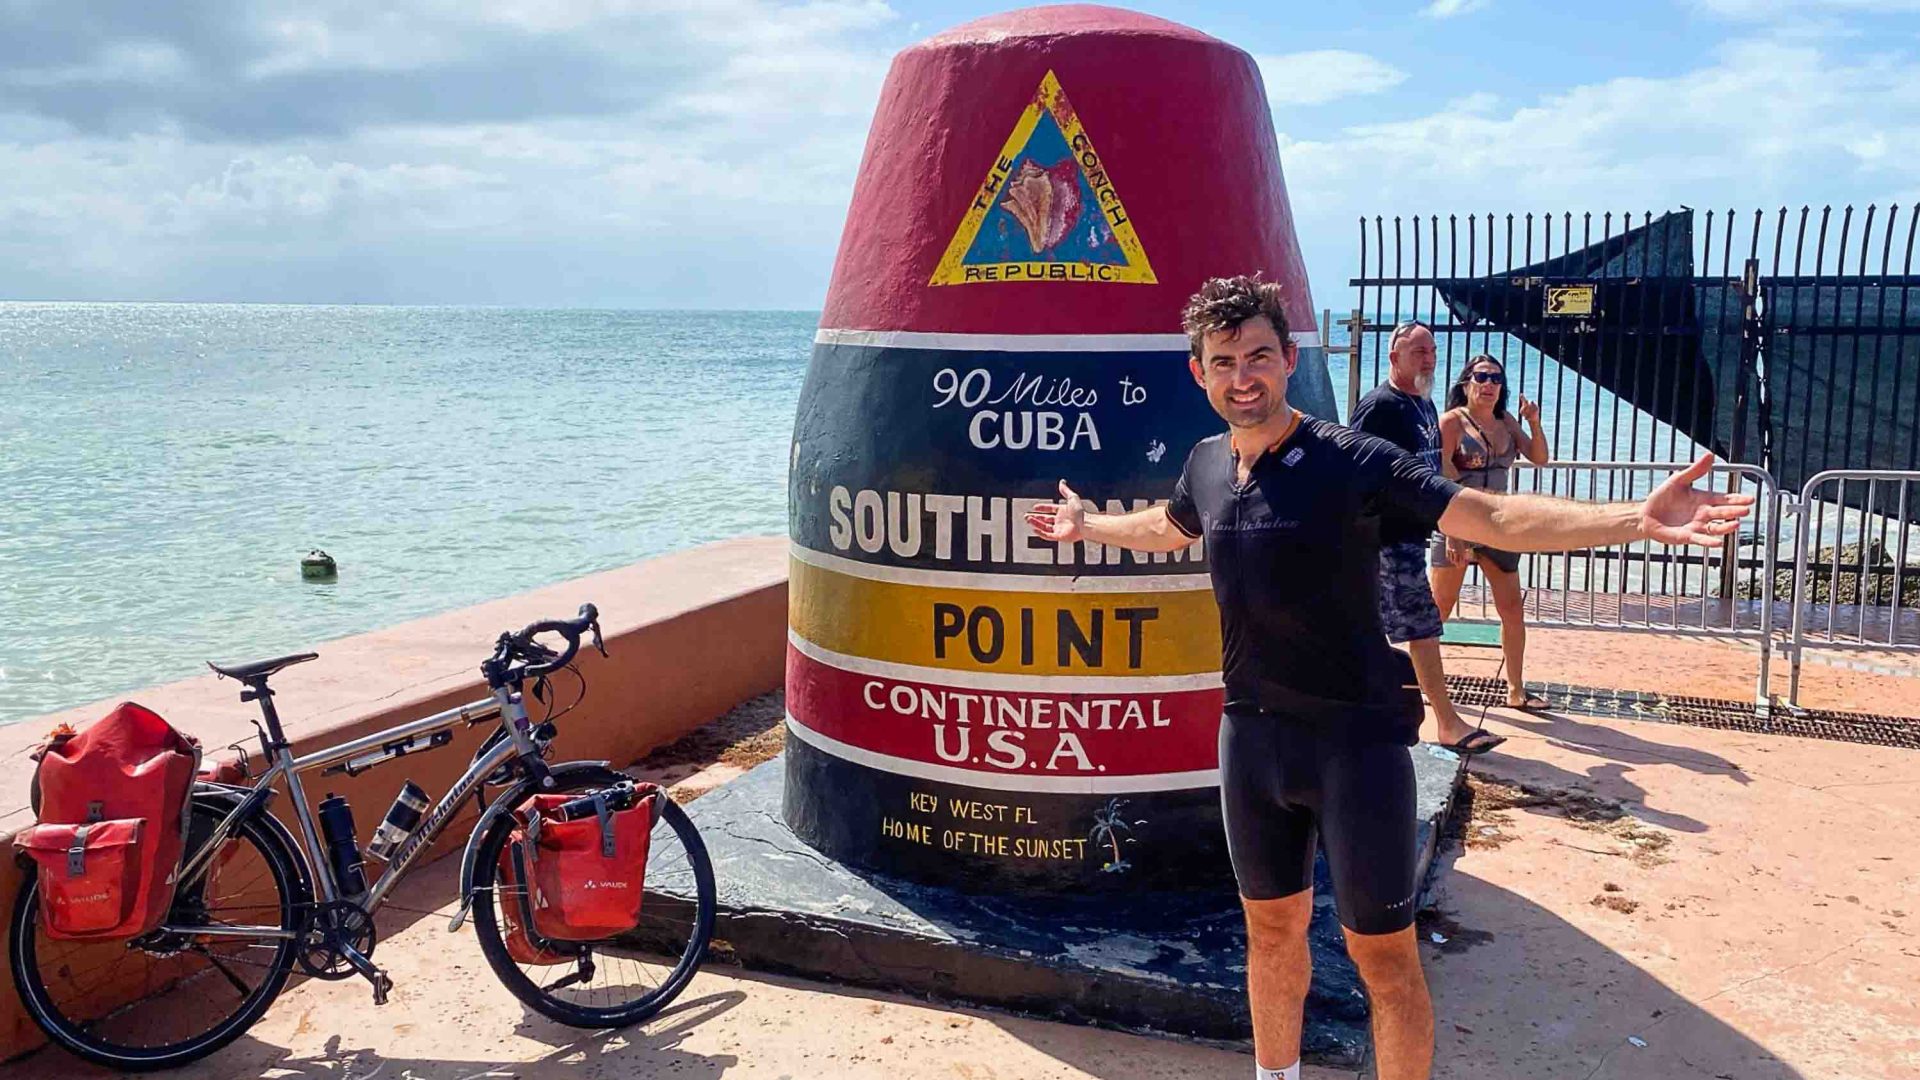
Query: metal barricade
(1860, 586)
(1645, 585)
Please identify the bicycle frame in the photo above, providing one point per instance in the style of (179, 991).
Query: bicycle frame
(505, 704)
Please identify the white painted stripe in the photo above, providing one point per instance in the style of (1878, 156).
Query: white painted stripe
(999, 781)
(1023, 343)
(1039, 583)
(1141, 685)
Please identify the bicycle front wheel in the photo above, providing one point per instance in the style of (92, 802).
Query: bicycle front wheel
(169, 998)
(624, 979)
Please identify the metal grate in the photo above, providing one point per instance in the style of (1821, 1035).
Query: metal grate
(1895, 731)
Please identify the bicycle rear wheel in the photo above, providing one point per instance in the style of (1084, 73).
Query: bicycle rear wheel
(168, 999)
(633, 975)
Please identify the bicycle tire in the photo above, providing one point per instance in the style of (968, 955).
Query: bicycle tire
(486, 923)
(80, 1036)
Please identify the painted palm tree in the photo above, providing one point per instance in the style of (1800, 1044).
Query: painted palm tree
(1109, 829)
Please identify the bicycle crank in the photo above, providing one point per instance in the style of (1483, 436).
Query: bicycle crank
(335, 927)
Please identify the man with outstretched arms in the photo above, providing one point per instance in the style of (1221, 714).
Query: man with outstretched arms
(1319, 707)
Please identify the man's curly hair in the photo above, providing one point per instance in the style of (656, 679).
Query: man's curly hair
(1225, 303)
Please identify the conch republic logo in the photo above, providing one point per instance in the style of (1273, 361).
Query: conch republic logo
(1047, 211)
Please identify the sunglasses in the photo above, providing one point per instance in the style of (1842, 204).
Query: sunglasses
(1489, 377)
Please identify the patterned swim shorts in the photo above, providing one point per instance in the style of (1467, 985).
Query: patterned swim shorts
(1407, 609)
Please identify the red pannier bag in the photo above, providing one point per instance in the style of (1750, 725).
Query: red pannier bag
(89, 875)
(587, 875)
(513, 917)
(128, 777)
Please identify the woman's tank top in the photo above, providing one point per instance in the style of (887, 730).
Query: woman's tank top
(1478, 467)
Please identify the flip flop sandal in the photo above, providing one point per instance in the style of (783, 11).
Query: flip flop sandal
(1534, 703)
(1477, 742)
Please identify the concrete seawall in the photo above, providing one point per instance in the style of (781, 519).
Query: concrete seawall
(689, 635)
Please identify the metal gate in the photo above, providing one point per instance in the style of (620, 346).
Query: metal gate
(1788, 339)
(1852, 586)
(1643, 585)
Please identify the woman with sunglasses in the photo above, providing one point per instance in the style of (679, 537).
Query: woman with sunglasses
(1479, 441)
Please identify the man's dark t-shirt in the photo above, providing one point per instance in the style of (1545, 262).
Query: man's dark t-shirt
(1412, 424)
(1295, 557)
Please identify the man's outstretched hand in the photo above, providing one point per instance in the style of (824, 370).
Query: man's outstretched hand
(1676, 513)
(1064, 521)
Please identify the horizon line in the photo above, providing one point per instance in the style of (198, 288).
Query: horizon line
(392, 304)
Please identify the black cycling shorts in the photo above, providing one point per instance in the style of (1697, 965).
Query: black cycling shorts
(1285, 783)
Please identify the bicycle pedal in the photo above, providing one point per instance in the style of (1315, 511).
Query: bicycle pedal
(381, 984)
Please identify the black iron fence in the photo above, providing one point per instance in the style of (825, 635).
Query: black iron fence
(1786, 339)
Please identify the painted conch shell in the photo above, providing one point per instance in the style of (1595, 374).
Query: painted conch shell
(1046, 202)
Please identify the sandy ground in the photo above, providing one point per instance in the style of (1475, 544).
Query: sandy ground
(449, 1020)
(1632, 899)
(1621, 899)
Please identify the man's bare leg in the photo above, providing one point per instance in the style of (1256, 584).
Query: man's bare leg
(1433, 683)
(1279, 968)
(1402, 1013)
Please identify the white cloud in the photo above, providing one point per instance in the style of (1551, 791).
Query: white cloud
(271, 191)
(1765, 122)
(1474, 102)
(1638, 138)
(1314, 78)
(359, 40)
(1770, 9)
(1447, 9)
(123, 62)
(697, 137)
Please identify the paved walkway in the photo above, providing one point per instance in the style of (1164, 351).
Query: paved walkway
(1622, 899)
(1881, 681)
(449, 1020)
(1744, 905)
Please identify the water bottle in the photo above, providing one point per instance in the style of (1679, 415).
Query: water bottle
(343, 850)
(402, 818)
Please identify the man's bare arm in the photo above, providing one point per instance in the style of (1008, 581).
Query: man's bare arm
(1151, 529)
(1068, 521)
(1538, 522)
(1674, 514)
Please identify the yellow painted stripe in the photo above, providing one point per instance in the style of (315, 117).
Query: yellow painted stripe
(963, 579)
(1178, 632)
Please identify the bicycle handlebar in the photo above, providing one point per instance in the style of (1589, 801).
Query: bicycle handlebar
(541, 660)
(570, 629)
(620, 796)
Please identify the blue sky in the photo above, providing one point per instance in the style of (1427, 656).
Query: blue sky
(700, 153)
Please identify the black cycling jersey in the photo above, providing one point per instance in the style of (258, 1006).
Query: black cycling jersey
(1295, 557)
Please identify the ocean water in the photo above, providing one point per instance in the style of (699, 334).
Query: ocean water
(163, 467)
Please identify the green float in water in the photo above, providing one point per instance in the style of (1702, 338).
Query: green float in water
(319, 566)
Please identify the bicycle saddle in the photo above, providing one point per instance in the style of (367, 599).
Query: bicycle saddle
(260, 669)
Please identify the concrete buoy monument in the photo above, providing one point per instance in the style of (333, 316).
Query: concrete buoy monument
(967, 705)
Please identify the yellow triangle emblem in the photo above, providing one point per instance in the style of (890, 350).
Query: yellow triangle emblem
(1047, 211)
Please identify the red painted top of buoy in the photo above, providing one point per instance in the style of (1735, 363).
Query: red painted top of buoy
(1059, 19)
(1177, 120)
